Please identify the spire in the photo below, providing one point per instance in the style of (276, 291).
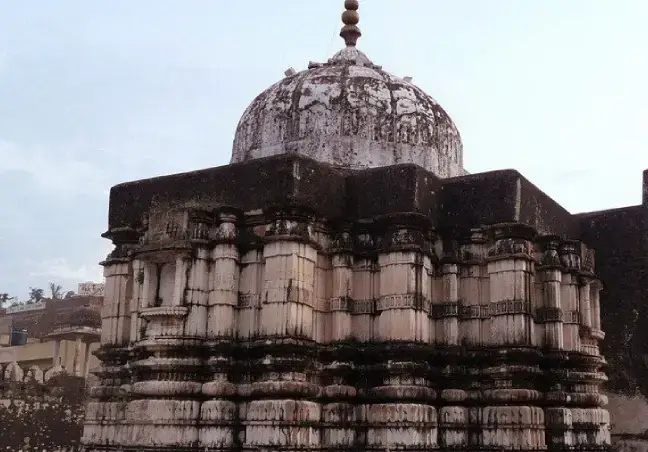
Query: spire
(350, 18)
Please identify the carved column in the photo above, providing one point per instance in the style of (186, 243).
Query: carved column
(167, 361)
(366, 290)
(251, 283)
(219, 413)
(570, 260)
(462, 379)
(57, 353)
(76, 361)
(86, 360)
(445, 309)
(338, 370)
(511, 419)
(277, 411)
(366, 286)
(549, 316)
(474, 302)
(105, 409)
(402, 414)
(590, 421)
(137, 303)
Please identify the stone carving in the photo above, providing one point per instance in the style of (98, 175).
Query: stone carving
(296, 378)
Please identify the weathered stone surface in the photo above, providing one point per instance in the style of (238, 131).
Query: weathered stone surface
(390, 309)
(350, 113)
(344, 285)
(43, 418)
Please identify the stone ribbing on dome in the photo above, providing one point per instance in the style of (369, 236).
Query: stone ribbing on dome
(350, 113)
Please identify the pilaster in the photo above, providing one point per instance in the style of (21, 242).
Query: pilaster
(216, 292)
(511, 418)
(278, 386)
(338, 372)
(401, 411)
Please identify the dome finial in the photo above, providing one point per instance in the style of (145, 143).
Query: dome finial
(350, 18)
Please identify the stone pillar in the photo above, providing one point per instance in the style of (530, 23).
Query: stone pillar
(117, 296)
(137, 302)
(220, 412)
(595, 299)
(277, 410)
(549, 314)
(86, 360)
(570, 260)
(166, 365)
(57, 353)
(591, 423)
(76, 362)
(456, 421)
(338, 371)
(401, 414)
(339, 317)
(366, 287)
(474, 299)
(445, 310)
(105, 412)
(511, 421)
(251, 288)
(510, 268)
(584, 303)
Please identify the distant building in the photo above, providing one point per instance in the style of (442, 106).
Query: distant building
(91, 289)
(52, 332)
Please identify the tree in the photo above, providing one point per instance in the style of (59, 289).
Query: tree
(36, 295)
(56, 291)
(69, 294)
(5, 298)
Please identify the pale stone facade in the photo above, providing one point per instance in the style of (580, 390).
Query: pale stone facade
(320, 300)
(320, 340)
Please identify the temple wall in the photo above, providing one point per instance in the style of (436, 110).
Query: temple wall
(620, 239)
(347, 339)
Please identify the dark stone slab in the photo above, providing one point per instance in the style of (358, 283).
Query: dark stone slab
(458, 204)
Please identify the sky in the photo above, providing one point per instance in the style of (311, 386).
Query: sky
(97, 93)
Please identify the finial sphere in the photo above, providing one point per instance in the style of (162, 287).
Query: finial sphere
(350, 17)
(351, 5)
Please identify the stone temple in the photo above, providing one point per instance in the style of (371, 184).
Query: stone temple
(345, 285)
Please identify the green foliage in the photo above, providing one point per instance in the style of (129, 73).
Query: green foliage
(56, 291)
(36, 295)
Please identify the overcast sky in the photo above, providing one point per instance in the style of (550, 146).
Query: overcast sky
(97, 93)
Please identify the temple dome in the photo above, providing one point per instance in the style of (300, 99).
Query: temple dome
(350, 113)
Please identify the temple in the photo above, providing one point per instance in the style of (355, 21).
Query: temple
(345, 285)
